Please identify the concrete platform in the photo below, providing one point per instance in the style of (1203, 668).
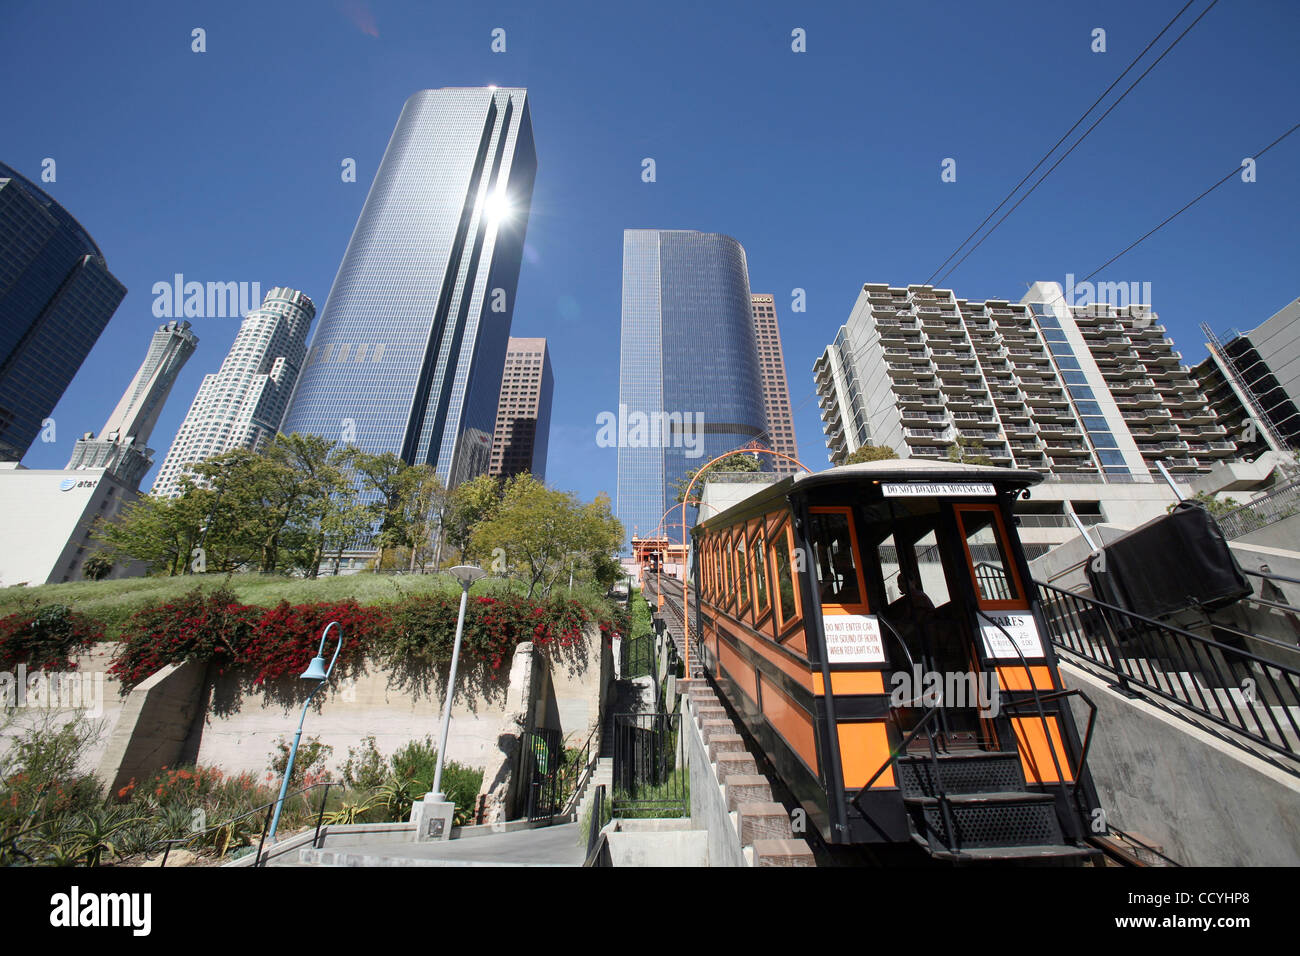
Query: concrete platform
(547, 846)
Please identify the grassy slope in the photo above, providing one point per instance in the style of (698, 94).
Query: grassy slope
(113, 602)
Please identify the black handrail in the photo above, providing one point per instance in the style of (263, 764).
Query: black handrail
(1033, 687)
(588, 765)
(1179, 645)
(269, 807)
(945, 809)
(594, 836)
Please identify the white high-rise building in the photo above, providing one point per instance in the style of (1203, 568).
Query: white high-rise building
(122, 445)
(1093, 395)
(243, 404)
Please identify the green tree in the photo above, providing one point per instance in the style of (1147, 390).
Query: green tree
(737, 462)
(871, 453)
(97, 567)
(542, 533)
(424, 498)
(161, 532)
(384, 476)
(1212, 504)
(968, 451)
(468, 505)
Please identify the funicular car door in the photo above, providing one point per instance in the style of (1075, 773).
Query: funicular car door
(922, 587)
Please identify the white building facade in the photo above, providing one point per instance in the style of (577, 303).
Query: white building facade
(242, 405)
(1093, 395)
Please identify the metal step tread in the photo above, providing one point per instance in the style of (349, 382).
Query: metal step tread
(1036, 851)
(961, 755)
(988, 798)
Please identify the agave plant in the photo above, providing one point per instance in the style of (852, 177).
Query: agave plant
(104, 831)
(398, 796)
(349, 811)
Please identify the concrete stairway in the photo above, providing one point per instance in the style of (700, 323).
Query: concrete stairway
(603, 775)
(762, 824)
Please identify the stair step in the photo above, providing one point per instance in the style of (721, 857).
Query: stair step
(984, 824)
(982, 771)
(1028, 851)
(993, 798)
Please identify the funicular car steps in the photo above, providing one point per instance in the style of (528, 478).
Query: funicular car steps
(980, 809)
(764, 824)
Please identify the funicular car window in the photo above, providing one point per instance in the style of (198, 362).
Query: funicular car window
(995, 578)
(834, 547)
(742, 572)
(757, 554)
(787, 601)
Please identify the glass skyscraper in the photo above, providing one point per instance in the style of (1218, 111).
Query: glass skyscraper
(690, 386)
(56, 297)
(410, 346)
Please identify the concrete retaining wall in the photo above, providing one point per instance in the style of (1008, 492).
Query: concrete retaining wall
(709, 799)
(1204, 801)
(101, 703)
(184, 714)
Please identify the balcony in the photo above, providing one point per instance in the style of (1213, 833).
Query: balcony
(906, 371)
(928, 436)
(914, 417)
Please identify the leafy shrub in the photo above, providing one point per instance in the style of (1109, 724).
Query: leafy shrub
(286, 637)
(46, 638)
(308, 764)
(280, 641)
(199, 627)
(366, 767)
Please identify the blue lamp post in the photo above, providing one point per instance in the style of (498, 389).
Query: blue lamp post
(316, 671)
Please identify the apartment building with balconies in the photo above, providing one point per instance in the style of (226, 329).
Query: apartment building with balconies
(1092, 396)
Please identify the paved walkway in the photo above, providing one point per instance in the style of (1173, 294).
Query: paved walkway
(546, 846)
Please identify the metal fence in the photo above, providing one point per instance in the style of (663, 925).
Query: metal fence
(1256, 697)
(1277, 504)
(638, 656)
(651, 776)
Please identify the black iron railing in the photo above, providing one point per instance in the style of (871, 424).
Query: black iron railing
(651, 776)
(578, 767)
(638, 655)
(269, 808)
(541, 758)
(1231, 687)
(595, 838)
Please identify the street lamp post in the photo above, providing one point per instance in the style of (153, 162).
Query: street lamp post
(316, 671)
(466, 574)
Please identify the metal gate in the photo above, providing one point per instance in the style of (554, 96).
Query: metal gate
(540, 759)
(638, 656)
(651, 776)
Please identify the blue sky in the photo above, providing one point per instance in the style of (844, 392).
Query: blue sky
(825, 165)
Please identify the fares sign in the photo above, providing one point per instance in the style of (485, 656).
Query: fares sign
(1020, 626)
(922, 489)
(853, 639)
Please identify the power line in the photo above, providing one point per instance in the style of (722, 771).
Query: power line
(857, 348)
(1077, 142)
(1063, 138)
